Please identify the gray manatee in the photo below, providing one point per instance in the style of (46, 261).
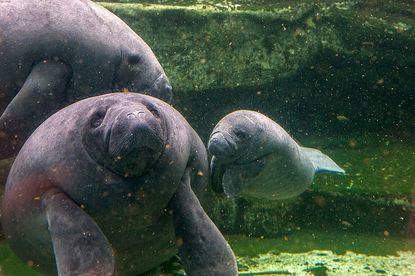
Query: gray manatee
(254, 156)
(108, 185)
(54, 52)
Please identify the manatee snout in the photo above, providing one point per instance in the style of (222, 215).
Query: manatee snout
(134, 129)
(221, 144)
(135, 141)
(161, 89)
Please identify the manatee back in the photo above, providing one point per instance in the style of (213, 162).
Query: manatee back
(78, 32)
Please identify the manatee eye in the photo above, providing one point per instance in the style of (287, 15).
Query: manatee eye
(155, 112)
(153, 109)
(241, 134)
(134, 59)
(98, 118)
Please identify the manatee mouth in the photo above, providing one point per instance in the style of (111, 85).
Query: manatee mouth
(221, 145)
(252, 161)
(132, 151)
(130, 144)
(135, 162)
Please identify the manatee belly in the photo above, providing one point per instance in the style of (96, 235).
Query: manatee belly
(140, 243)
(278, 179)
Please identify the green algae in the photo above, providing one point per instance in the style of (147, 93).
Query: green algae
(194, 43)
(10, 265)
(288, 61)
(339, 242)
(338, 252)
(298, 252)
(204, 46)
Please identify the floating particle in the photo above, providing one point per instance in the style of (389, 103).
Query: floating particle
(179, 242)
(320, 201)
(352, 143)
(342, 118)
(199, 173)
(380, 81)
(346, 223)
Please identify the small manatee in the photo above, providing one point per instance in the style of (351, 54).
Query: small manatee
(253, 155)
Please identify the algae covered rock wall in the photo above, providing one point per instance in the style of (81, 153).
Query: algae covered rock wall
(323, 59)
(338, 75)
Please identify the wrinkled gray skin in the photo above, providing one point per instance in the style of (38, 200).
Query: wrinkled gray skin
(254, 156)
(108, 183)
(54, 52)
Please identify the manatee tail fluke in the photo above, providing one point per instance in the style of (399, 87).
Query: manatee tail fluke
(321, 162)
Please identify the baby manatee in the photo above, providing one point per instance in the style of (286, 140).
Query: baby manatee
(254, 156)
(55, 52)
(108, 186)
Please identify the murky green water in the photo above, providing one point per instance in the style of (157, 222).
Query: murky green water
(339, 77)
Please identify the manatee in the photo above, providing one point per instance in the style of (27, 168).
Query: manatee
(113, 184)
(54, 52)
(256, 157)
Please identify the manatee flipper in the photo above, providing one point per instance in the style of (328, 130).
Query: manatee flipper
(236, 177)
(42, 93)
(230, 179)
(202, 248)
(217, 170)
(321, 162)
(79, 245)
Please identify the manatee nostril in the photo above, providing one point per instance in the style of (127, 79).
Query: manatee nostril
(217, 144)
(167, 88)
(136, 114)
(161, 88)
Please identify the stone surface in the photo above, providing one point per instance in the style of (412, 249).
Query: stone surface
(310, 252)
(328, 60)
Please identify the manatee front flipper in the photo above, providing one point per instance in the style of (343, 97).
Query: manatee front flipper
(232, 179)
(202, 248)
(217, 169)
(80, 246)
(42, 93)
